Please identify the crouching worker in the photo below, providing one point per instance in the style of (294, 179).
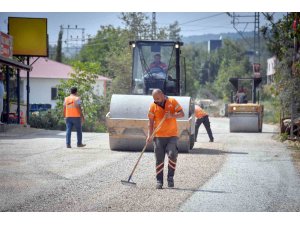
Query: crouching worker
(165, 139)
(202, 117)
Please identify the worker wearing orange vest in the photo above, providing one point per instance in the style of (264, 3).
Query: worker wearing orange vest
(73, 117)
(165, 139)
(202, 117)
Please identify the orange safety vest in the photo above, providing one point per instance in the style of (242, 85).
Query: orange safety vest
(72, 107)
(199, 112)
(169, 126)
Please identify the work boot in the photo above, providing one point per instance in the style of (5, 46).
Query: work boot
(211, 140)
(81, 145)
(171, 183)
(159, 185)
(68, 146)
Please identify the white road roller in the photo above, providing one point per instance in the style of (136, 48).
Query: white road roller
(127, 120)
(245, 114)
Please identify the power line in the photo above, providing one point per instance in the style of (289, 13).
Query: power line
(70, 38)
(249, 20)
(203, 18)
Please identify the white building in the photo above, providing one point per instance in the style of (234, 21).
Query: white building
(271, 69)
(45, 76)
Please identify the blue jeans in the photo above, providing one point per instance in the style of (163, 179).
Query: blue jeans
(76, 121)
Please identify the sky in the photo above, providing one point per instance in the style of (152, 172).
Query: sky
(191, 23)
(195, 17)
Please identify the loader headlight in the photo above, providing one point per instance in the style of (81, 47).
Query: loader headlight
(132, 44)
(234, 108)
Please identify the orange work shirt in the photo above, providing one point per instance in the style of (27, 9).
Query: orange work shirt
(199, 112)
(72, 104)
(169, 126)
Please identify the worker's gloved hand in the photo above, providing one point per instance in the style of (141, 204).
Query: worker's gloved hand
(148, 140)
(168, 115)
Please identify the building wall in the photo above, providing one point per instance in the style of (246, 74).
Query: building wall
(271, 66)
(214, 44)
(271, 69)
(40, 90)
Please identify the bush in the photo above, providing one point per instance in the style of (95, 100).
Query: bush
(271, 111)
(283, 137)
(94, 126)
(61, 125)
(49, 120)
(44, 120)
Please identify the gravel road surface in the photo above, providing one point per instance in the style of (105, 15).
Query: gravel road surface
(258, 176)
(238, 172)
(38, 173)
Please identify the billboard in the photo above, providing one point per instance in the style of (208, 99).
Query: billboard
(6, 45)
(29, 35)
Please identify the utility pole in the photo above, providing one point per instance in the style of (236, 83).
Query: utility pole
(245, 20)
(71, 31)
(153, 27)
(256, 41)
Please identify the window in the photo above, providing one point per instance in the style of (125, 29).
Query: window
(53, 93)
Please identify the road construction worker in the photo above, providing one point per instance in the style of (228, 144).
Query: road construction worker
(73, 116)
(156, 74)
(165, 139)
(241, 96)
(158, 64)
(202, 117)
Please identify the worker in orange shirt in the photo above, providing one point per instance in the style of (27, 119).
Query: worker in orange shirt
(73, 116)
(202, 117)
(165, 139)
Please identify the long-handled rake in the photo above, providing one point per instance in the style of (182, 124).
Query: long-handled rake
(129, 182)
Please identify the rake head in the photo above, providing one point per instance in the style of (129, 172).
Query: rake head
(128, 183)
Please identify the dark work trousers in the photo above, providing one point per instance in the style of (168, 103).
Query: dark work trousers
(163, 146)
(76, 121)
(205, 121)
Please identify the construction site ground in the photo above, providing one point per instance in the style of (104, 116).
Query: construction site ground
(238, 172)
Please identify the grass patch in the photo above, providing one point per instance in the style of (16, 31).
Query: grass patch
(271, 113)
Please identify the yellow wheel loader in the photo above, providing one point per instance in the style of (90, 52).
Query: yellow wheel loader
(127, 120)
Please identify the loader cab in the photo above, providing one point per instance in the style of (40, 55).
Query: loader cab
(245, 90)
(156, 64)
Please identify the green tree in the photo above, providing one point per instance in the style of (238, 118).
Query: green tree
(231, 68)
(194, 60)
(208, 73)
(108, 41)
(233, 63)
(84, 78)
(283, 40)
(52, 51)
(137, 24)
(121, 65)
(58, 57)
(174, 31)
